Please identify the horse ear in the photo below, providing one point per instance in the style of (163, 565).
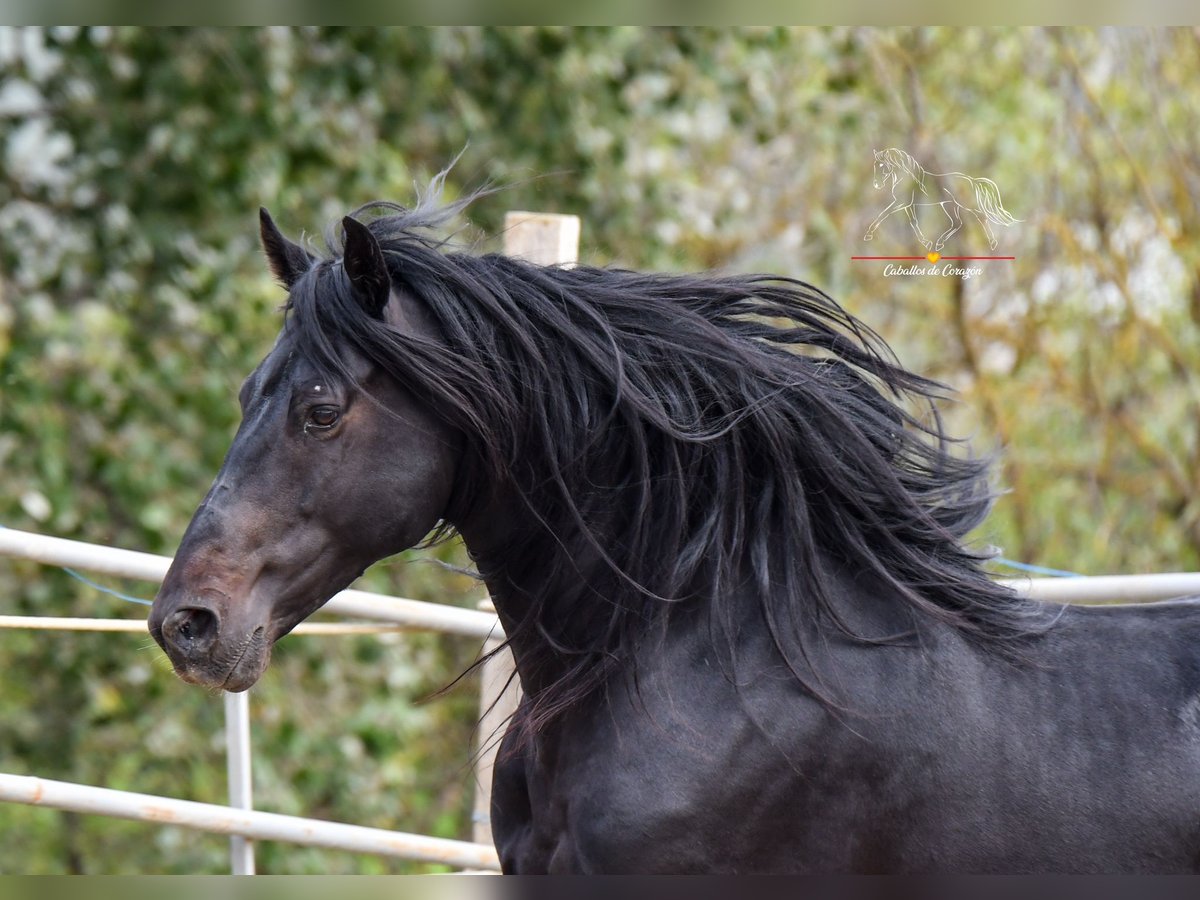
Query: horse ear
(366, 267)
(288, 260)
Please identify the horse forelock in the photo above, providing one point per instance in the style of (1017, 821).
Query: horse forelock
(686, 434)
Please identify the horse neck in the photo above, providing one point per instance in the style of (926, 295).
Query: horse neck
(565, 582)
(906, 180)
(533, 574)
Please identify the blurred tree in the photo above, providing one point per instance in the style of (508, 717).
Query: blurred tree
(132, 302)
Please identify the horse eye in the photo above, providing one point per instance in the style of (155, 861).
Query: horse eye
(323, 416)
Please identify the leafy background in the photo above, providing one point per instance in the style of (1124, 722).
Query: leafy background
(133, 301)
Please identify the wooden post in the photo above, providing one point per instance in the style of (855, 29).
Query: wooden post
(545, 239)
(499, 693)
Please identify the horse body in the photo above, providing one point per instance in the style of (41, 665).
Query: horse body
(950, 761)
(730, 567)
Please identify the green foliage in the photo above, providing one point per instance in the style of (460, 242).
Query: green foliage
(132, 302)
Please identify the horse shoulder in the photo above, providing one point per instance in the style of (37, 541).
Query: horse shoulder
(692, 770)
(658, 781)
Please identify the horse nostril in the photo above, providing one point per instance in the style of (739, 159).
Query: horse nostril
(191, 629)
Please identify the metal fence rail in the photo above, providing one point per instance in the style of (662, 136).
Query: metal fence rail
(471, 623)
(1110, 588)
(246, 823)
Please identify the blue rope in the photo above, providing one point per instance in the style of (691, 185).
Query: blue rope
(105, 590)
(1035, 570)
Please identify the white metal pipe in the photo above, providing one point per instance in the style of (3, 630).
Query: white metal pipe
(147, 566)
(471, 623)
(237, 765)
(1110, 588)
(56, 551)
(60, 623)
(414, 614)
(261, 826)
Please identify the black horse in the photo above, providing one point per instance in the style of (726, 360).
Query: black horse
(724, 532)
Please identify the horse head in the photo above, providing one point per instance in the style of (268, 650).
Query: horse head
(882, 171)
(334, 466)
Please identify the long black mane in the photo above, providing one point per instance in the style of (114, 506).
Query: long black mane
(676, 437)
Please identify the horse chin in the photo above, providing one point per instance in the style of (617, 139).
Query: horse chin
(242, 675)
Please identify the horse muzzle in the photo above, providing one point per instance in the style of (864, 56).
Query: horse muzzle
(205, 646)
